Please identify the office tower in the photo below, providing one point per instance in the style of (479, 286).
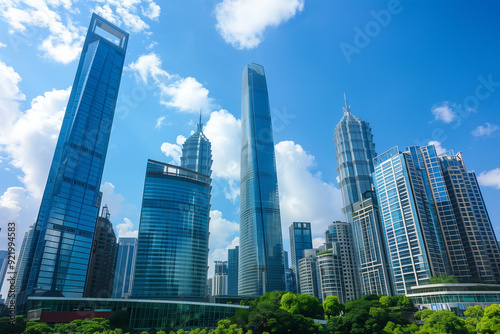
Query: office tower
(412, 232)
(476, 231)
(60, 250)
(208, 289)
(232, 271)
(172, 250)
(101, 271)
(261, 266)
(300, 239)
(219, 280)
(197, 152)
(309, 274)
(331, 276)
(4, 264)
(125, 263)
(22, 261)
(341, 233)
(355, 151)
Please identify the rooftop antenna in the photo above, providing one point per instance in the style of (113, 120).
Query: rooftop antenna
(200, 125)
(347, 109)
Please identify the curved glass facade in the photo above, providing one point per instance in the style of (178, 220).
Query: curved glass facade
(172, 250)
(59, 254)
(261, 266)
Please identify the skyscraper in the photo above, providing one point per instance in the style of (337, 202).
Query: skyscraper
(60, 250)
(125, 263)
(197, 152)
(232, 271)
(101, 271)
(300, 239)
(331, 275)
(309, 273)
(340, 233)
(261, 266)
(413, 235)
(476, 231)
(355, 151)
(219, 280)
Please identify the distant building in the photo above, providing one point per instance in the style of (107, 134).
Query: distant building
(261, 266)
(232, 271)
(22, 261)
(309, 274)
(300, 239)
(125, 263)
(331, 276)
(102, 264)
(341, 233)
(219, 280)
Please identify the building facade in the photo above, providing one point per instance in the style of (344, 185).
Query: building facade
(219, 281)
(414, 241)
(474, 224)
(232, 271)
(341, 233)
(102, 265)
(61, 244)
(309, 274)
(355, 152)
(261, 266)
(125, 263)
(300, 239)
(172, 250)
(331, 276)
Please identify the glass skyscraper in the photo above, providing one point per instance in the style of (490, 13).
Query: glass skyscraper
(261, 266)
(61, 244)
(232, 271)
(300, 239)
(355, 151)
(197, 152)
(125, 263)
(412, 233)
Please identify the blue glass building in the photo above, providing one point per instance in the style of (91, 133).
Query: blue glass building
(300, 239)
(232, 271)
(125, 263)
(412, 232)
(60, 250)
(355, 151)
(261, 247)
(197, 152)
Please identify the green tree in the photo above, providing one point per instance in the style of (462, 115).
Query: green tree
(444, 322)
(490, 322)
(405, 302)
(18, 327)
(474, 315)
(421, 315)
(332, 307)
(306, 305)
(385, 301)
(37, 328)
(119, 319)
(392, 328)
(443, 279)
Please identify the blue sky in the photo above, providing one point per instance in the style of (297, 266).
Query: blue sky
(417, 71)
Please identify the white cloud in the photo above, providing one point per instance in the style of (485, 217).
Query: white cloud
(64, 42)
(318, 242)
(304, 196)
(444, 112)
(126, 229)
(242, 22)
(223, 131)
(128, 13)
(439, 148)
(183, 94)
(490, 178)
(222, 231)
(487, 130)
(159, 122)
(16, 205)
(220, 254)
(173, 151)
(2, 45)
(152, 10)
(152, 45)
(112, 199)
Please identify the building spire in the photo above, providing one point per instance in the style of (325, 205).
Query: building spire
(200, 124)
(347, 109)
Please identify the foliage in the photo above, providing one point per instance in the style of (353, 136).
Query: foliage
(37, 328)
(444, 322)
(18, 327)
(325, 252)
(443, 279)
(474, 315)
(306, 305)
(421, 315)
(490, 322)
(405, 302)
(332, 306)
(392, 328)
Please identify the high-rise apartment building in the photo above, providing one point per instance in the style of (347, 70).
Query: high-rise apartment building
(413, 235)
(232, 271)
(474, 225)
(102, 264)
(219, 280)
(355, 151)
(261, 266)
(341, 233)
(331, 276)
(309, 273)
(300, 239)
(61, 244)
(125, 263)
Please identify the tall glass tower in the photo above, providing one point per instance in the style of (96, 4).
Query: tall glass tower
(355, 151)
(261, 266)
(197, 152)
(125, 263)
(64, 231)
(300, 239)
